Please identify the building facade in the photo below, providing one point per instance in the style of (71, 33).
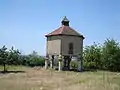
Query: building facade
(64, 41)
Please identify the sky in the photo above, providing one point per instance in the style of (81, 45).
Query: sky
(24, 23)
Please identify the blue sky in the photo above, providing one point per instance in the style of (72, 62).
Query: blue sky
(23, 23)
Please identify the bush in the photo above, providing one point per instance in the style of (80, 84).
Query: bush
(36, 61)
(105, 57)
(74, 65)
(92, 57)
(111, 55)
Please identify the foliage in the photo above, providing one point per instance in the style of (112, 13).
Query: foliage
(35, 60)
(14, 57)
(111, 55)
(9, 57)
(74, 65)
(91, 56)
(3, 57)
(96, 56)
(32, 60)
(105, 57)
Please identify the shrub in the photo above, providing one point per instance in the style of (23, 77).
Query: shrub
(74, 65)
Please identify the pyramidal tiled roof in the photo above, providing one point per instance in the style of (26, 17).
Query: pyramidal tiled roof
(64, 30)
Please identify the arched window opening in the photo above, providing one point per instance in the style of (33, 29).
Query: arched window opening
(70, 48)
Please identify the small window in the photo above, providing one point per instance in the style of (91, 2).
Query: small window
(70, 48)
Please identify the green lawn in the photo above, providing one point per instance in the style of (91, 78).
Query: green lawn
(40, 79)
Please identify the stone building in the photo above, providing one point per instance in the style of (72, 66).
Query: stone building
(64, 41)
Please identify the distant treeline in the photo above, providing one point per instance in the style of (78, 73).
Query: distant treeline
(104, 56)
(14, 57)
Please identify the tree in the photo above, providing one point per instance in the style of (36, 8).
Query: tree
(24, 60)
(33, 60)
(3, 57)
(14, 57)
(111, 55)
(91, 57)
(9, 57)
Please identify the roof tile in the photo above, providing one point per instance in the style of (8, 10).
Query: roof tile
(64, 30)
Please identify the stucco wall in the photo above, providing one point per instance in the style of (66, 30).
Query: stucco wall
(77, 44)
(53, 45)
(60, 44)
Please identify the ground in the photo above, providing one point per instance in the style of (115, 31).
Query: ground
(40, 79)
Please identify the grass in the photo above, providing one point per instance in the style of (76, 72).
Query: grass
(40, 79)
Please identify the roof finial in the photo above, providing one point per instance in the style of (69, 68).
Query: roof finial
(65, 21)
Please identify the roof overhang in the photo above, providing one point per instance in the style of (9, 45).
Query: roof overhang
(66, 35)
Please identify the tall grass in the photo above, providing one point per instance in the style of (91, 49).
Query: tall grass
(41, 79)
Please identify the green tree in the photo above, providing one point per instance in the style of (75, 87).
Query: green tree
(92, 57)
(34, 59)
(14, 57)
(24, 60)
(3, 57)
(111, 55)
(9, 57)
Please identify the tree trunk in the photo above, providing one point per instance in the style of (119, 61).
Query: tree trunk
(4, 67)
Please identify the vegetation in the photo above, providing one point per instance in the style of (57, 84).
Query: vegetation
(14, 57)
(34, 79)
(9, 57)
(74, 65)
(92, 57)
(32, 60)
(96, 56)
(106, 56)
(3, 57)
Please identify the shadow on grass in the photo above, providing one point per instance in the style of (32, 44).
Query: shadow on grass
(76, 70)
(72, 70)
(6, 72)
(85, 70)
